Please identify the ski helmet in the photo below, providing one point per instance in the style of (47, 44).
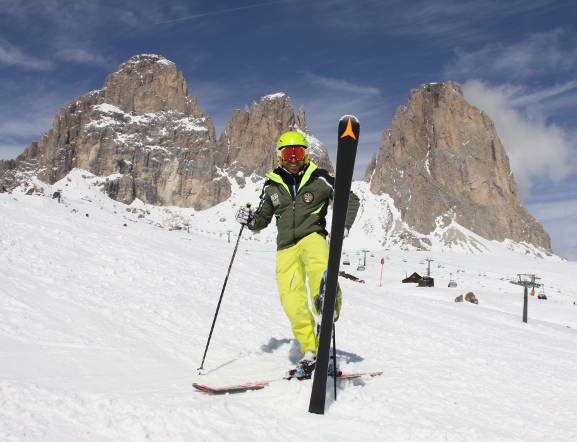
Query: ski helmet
(292, 139)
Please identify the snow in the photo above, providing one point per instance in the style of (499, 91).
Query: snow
(191, 124)
(107, 108)
(110, 116)
(316, 146)
(113, 115)
(274, 96)
(105, 312)
(166, 62)
(148, 57)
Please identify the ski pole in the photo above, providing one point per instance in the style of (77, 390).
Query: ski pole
(335, 361)
(220, 299)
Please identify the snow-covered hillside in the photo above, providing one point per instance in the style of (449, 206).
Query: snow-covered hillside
(105, 312)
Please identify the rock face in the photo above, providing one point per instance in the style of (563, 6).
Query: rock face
(147, 134)
(13, 172)
(251, 135)
(441, 160)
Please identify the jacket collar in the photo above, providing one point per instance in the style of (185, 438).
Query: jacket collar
(277, 175)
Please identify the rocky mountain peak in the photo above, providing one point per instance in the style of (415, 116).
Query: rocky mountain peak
(146, 133)
(149, 83)
(441, 160)
(251, 136)
(302, 120)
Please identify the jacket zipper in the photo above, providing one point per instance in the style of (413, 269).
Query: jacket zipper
(294, 221)
(294, 197)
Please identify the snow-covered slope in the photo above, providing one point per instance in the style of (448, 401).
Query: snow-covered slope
(105, 312)
(378, 225)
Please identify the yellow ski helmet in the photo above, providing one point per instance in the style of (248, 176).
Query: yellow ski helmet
(292, 139)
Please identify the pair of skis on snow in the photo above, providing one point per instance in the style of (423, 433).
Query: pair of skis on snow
(242, 388)
(348, 138)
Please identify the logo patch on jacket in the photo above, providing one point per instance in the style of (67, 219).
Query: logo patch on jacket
(275, 200)
(308, 197)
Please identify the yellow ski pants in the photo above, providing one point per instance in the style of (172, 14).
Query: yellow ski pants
(306, 259)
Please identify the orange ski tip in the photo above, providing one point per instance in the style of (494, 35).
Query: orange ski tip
(349, 131)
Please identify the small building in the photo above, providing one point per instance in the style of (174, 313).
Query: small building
(415, 277)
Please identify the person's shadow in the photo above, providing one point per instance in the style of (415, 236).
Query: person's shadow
(295, 353)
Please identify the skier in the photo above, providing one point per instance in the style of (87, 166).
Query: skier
(297, 193)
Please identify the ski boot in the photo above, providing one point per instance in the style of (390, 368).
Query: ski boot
(305, 367)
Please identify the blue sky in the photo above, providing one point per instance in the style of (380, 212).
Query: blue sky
(516, 60)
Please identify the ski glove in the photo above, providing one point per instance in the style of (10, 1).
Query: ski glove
(244, 215)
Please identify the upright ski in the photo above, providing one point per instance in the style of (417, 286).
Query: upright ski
(348, 138)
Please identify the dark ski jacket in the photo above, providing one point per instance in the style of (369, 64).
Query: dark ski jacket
(299, 204)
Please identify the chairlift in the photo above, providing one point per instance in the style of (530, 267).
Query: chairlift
(541, 294)
(361, 267)
(346, 261)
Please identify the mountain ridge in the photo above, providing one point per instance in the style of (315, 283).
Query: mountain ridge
(145, 133)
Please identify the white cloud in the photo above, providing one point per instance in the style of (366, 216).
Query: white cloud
(327, 98)
(534, 55)
(32, 117)
(8, 152)
(12, 56)
(83, 56)
(559, 219)
(443, 21)
(557, 93)
(219, 12)
(27, 118)
(542, 153)
(556, 210)
(537, 149)
(18, 128)
(340, 85)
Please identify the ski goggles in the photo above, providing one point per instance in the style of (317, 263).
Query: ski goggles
(290, 152)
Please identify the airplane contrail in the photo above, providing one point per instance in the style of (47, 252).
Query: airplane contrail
(223, 11)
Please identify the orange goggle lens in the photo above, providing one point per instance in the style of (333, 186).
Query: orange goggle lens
(290, 152)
